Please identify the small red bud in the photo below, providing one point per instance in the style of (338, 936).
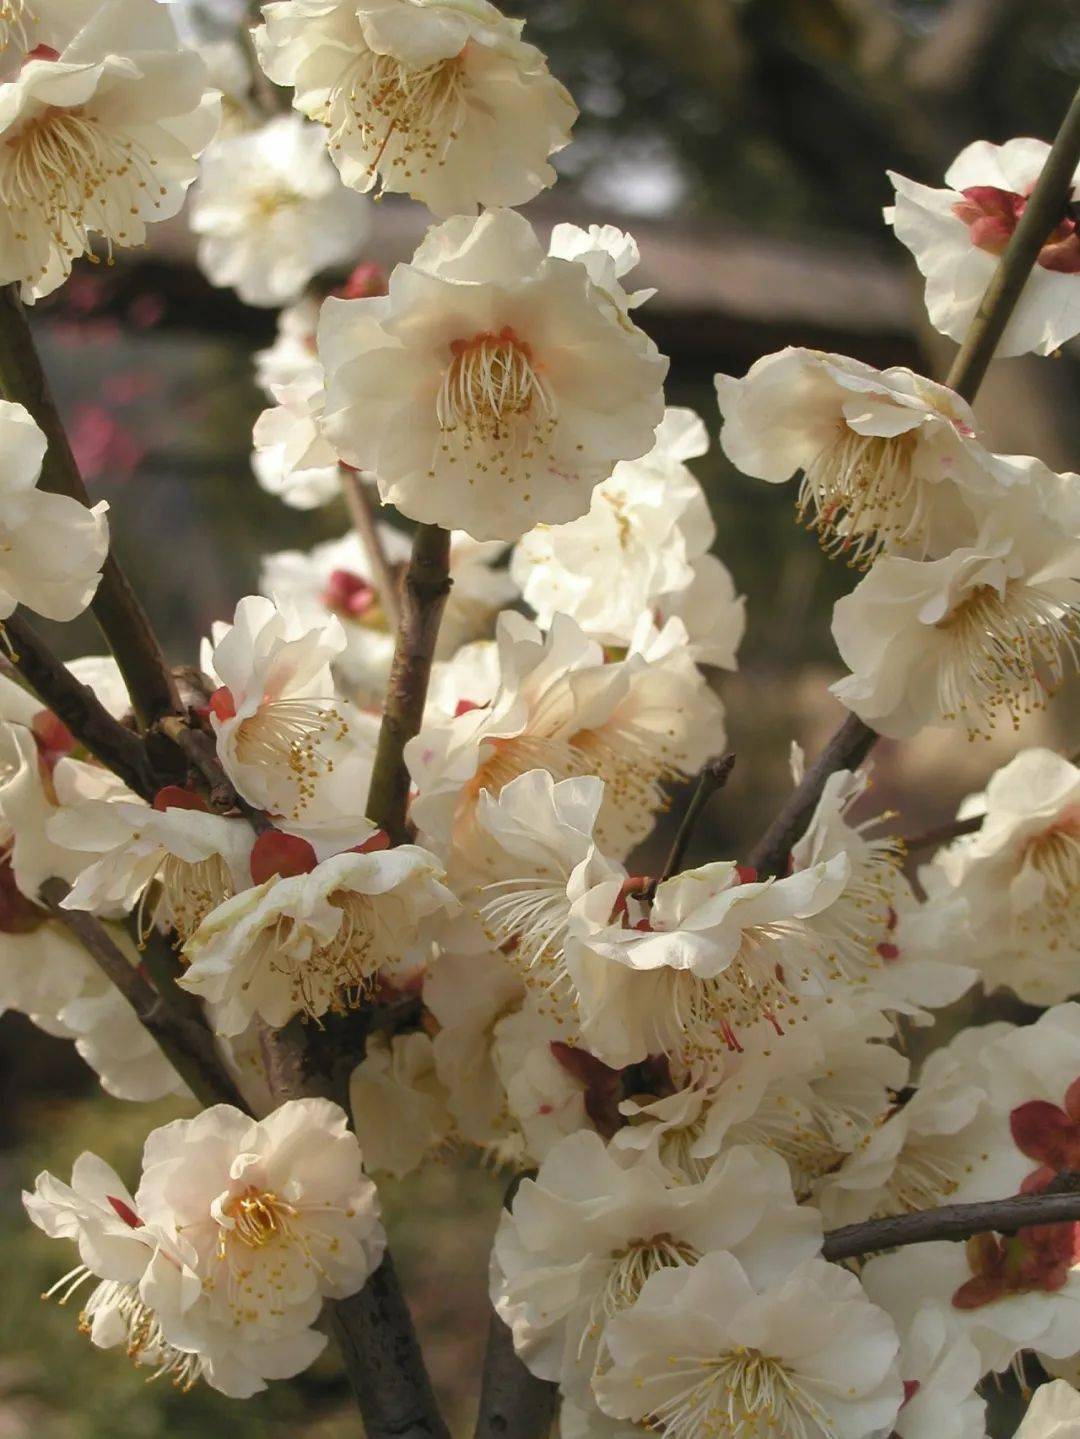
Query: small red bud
(54, 739)
(464, 707)
(43, 52)
(366, 281)
(888, 951)
(276, 853)
(747, 873)
(175, 796)
(378, 841)
(125, 1211)
(222, 704)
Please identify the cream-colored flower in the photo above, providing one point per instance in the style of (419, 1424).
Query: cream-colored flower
(441, 100)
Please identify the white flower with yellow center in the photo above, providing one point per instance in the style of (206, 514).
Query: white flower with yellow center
(636, 549)
(581, 1241)
(51, 546)
(716, 1351)
(284, 739)
(889, 459)
(175, 863)
(314, 941)
(438, 99)
(100, 131)
(553, 703)
(278, 1212)
(271, 212)
(710, 954)
(25, 25)
(1020, 877)
(535, 856)
(494, 387)
(398, 1104)
(990, 631)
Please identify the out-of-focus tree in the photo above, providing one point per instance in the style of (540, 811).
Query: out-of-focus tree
(765, 103)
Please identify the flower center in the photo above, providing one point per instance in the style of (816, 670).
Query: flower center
(147, 1347)
(270, 200)
(289, 737)
(630, 1269)
(490, 383)
(67, 170)
(861, 493)
(16, 22)
(258, 1217)
(188, 891)
(532, 913)
(402, 120)
(743, 1392)
(336, 973)
(1055, 855)
(1006, 651)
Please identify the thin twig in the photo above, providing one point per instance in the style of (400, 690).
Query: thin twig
(854, 740)
(199, 750)
(423, 599)
(79, 708)
(185, 1041)
(362, 512)
(123, 622)
(714, 776)
(952, 1221)
(514, 1403)
(847, 749)
(943, 834)
(1043, 212)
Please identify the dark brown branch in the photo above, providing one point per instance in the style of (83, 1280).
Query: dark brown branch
(383, 1361)
(184, 1039)
(943, 834)
(123, 622)
(1042, 214)
(714, 776)
(362, 512)
(953, 1221)
(514, 1404)
(423, 599)
(847, 749)
(79, 708)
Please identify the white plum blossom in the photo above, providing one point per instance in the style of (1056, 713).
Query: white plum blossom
(988, 630)
(51, 546)
(581, 1240)
(442, 101)
(174, 859)
(889, 459)
(398, 1104)
(812, 1096)
(1053, 1413)
(285, 740)
(293, 355)
(635, 551)
(101, 128)
(314, 940)
(278, 1211)
(554, 704)
(940, 1370)
(957, 236)
(336, 576)
(1020, 876)
(493, 387)
(271, 213)
(711, 952)
(534, 857)
(714, 1350)
(291, 457)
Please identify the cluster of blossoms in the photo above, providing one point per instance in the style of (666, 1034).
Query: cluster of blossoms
(701, 1071)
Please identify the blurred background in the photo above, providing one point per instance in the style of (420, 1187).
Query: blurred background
(745, 144)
